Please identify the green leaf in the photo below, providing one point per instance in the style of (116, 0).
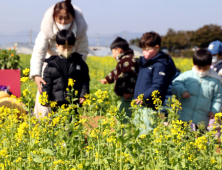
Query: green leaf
(57, 166)
(138, 147)
(177, 166)
(48, 151)
(8, 64)
(87, 163)
(120, 138)
(38, 160)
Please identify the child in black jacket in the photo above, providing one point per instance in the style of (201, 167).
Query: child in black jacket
(60, 68)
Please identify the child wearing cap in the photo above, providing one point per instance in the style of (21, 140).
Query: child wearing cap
(215, 48)
(124, 75)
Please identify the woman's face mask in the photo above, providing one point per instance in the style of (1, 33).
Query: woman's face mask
(214, 60)
(63, 27)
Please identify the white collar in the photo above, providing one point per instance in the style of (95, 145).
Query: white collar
(214, 74)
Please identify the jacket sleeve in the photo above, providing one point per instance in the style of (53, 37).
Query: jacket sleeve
(161, 77)
(48, 79)
(217, 100)
(38, 55)
(82, 47)
(178, 86)
(129, 76)
(111, 77)
(85, 80)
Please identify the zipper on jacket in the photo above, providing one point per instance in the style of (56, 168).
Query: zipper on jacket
(70, 68)
(197, 98)
(60, 72)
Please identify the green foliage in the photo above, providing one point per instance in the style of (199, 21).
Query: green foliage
(9, 59)
(63, 140)
(185, 40)
(205, 35)
(135, 42)
(25, 61)
(99, 67)
(177, 40)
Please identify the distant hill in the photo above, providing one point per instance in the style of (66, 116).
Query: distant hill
(104, 40)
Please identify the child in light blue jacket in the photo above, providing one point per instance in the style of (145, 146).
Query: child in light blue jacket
(199, 90)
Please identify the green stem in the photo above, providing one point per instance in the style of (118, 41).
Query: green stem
(99, 138)
(52, 143)
(121, 147)
(29, 136)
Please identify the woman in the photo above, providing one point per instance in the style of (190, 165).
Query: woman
(61, 16)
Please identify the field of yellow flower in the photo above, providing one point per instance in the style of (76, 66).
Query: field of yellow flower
(64, 140)
(99, 67)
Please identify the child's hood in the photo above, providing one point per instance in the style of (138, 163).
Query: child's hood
(162, 58)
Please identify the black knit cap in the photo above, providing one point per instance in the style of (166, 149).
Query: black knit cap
(120, 43)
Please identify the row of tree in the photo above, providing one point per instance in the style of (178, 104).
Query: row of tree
(180, 40)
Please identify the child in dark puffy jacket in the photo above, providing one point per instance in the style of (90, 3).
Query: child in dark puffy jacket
(124, 75)
(60, 68)
(156, 72)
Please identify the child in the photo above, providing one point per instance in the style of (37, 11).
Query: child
(199, 90)
(215, 48)
(66, 65)
(124, 75)
(156, 72)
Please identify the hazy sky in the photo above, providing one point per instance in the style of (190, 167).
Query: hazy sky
(113, 16)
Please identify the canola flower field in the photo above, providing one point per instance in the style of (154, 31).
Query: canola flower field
(55, 142)
(99, 67)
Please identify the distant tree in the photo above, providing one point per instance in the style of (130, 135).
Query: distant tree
(135, 42)
(168, 41)
(208, 33)
(177, 40)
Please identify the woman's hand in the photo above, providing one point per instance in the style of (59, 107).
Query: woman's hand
(38, 81)
(81, 100)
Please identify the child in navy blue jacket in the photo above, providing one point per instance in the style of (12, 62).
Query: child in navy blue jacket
(156, 72)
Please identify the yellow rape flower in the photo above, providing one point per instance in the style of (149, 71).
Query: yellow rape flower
(80, 166)
(24, 79)
(71, 82)
(53, 104)
(43, 98)
(26, 71)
